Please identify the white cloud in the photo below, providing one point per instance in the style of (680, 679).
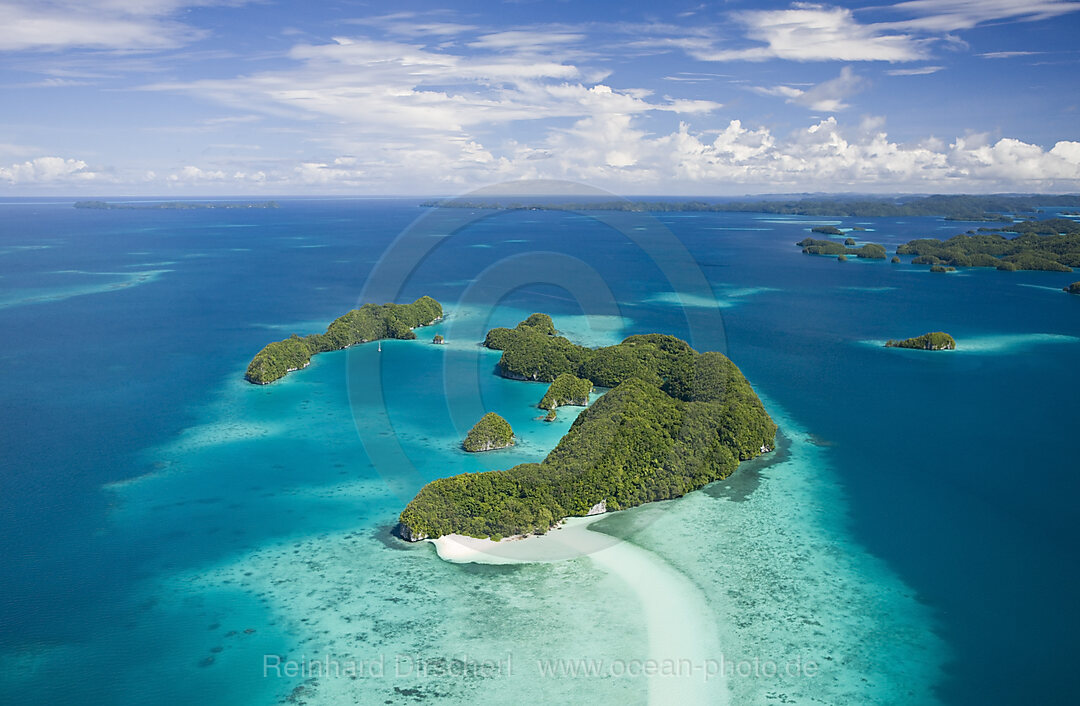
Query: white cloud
(916, 71)
(96, 24)
(827, 96)
(380, 87)
(609, 150)
(820, 32)
(808, 32)
(526, 40)
(1006, 54)
(952, 15)
(47, 170)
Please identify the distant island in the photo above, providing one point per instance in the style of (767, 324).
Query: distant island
(371, 322)
(674, 420)
(173, 205)
(1052, 245)
(936, 341)
(1073, 288)
(958, 207)
(490, 433)
(871, 251)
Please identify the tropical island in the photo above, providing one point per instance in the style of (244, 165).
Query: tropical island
(674, 420)
(957, 207)
(490, 433)
(1051, 245)
(371, 322)
(567, 389)
(1073, 288)
(872, 251)
(172, 205)
(935, 341)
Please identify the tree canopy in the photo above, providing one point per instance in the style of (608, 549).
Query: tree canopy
(370, 322)
(674, 421)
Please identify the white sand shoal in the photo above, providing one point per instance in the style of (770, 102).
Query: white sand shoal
(672, 606)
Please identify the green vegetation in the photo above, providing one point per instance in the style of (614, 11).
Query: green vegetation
(841, 258)
(438, 340)
(539, 324)
(811, 246)
(940, 268)
(1073, 288)
(491, 432)
(954, 206)
(1052, 245)
(551, 415)
(675, 421)
(370, 322)
(895, 259)
(936, 341)
(850, 241)
(827, 230)
(566, 389)
(172, 205)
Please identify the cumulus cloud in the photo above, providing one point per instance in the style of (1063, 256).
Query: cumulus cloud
(609, 150)
(47, 170)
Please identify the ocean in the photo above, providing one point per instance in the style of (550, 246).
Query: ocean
(171, 534)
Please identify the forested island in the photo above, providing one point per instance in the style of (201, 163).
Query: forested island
(172, 205)
(871, 251)
(371, 322)
(1073, 288)
(567, 389)
(1052, 245)
(960, 207)
(674, 421)
(935, 341)
(490, 433)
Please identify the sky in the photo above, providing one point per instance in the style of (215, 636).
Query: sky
(271, 97)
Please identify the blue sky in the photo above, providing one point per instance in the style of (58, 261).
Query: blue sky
(111, 97)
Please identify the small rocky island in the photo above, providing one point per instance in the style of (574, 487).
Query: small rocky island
(371, 322)
(935, 341)
(673, 421)
(490, 433)
(438, 340)
(567, 389)
(1073, 288)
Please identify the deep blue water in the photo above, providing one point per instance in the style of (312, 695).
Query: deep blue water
(956, 466)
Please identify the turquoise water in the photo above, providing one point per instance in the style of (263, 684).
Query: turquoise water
(169, 530)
